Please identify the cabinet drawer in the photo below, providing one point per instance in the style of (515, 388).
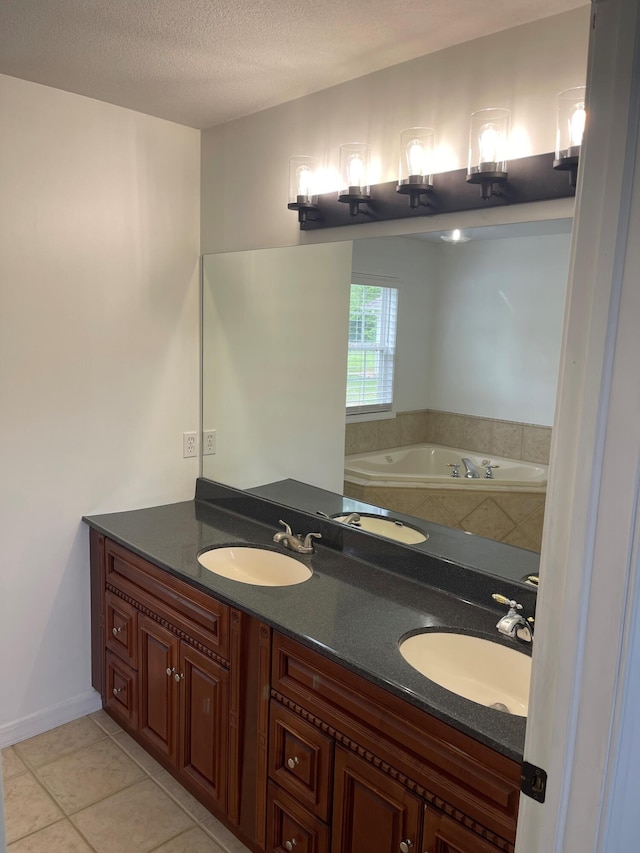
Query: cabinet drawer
(301, 760)
(121, 691)
(291, 827)
(121, 629)
(189, 609)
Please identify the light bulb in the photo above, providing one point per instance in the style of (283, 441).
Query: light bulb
(576, 124)
(304, 181)
(416, 157)
(355, 171)
(489, 142)
(455, 235)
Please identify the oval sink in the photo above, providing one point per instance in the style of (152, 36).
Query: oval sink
(485, 672)
(257, 566)
(388, 527)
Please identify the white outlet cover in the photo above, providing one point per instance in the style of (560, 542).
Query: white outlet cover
(189, 444)
(208, 442)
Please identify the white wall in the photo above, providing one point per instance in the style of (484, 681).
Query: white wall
(245, 162)
(497, 328)
(99, 214)
(275, 364)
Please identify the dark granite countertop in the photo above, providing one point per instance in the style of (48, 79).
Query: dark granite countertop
(352, 611)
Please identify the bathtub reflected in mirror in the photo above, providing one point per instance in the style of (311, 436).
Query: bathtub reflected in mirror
(432, 480)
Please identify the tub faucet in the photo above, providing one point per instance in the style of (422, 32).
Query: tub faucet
(295, 542)
(514, 624)
(488, 469)
(471, 472)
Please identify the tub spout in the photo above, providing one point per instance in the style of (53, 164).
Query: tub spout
(471, 472)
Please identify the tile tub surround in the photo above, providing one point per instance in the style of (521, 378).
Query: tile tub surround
(514, 518)
(87, 787)
(482, 435)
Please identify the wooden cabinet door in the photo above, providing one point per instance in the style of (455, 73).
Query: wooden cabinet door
(204, 686)
(443, 835)
(371, 811)
(157, 689)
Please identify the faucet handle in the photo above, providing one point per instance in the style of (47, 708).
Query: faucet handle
(307, 539)
(508, 602)
(287, 529)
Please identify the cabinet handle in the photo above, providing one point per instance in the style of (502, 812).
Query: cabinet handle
(170, 670)
(292, 763)
(116, 631)
(289, 845)
(178, 676)
(405, 846)
(116, 690)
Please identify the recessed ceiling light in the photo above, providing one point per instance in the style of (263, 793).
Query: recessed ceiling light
(455, 236)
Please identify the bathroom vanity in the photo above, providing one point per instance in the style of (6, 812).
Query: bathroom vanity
(289, 711)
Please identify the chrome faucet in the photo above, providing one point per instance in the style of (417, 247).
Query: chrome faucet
(488, 469)
(471, 472)
(514, 624)
(353, 519)
(295, 542)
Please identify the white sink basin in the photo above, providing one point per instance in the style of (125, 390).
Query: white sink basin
(256, 566)
(480, 670)
(386, 527)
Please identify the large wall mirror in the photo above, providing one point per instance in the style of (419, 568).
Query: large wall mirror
(479, 328)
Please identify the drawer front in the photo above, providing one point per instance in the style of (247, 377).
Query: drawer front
(200, 615)
(121, 691)
(291, 827)
(301, 760)
(121, 627)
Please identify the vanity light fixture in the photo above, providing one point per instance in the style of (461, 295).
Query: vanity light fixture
(416, 165)
(488, 139)
(455, 236)
(303, 193)
(354, 173)
(570, 130)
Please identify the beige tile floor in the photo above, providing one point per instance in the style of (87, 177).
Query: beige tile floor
(87, 786)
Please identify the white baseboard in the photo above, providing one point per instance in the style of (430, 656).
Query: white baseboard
(49, 718)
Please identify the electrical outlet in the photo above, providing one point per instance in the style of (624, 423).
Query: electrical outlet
(189, 444)
(208, 442)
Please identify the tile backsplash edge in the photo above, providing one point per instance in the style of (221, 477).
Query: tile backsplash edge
(515, 440)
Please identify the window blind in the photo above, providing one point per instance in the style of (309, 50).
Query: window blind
(373, 312)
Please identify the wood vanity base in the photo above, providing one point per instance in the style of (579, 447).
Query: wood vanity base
(289, 749)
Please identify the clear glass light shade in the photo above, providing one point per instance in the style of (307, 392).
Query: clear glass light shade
(571, 121)
(303, 180)
(416, 155)
(488, 141)
(354, 168)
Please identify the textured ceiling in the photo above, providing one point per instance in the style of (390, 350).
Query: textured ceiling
(203, 62)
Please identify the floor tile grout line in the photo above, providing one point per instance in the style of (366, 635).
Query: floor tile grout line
(63, 819)
(35, 767)
(53, 800)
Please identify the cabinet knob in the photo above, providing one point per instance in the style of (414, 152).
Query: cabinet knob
(170, 670)
(116, 690)
(116, 631)
(178, 676)
(405, 846)
(289, 845)
(292, 763)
